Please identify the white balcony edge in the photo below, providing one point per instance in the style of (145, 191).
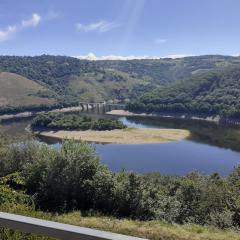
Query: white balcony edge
(56, 230)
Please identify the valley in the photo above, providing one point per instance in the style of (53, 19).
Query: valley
(157, 143)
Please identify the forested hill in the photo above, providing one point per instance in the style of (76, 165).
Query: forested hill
(168, 70)
(212, 93)
(67, 80)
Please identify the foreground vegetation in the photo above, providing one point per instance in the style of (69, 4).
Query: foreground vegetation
(154, 230)
(36, 179)
(60, 121)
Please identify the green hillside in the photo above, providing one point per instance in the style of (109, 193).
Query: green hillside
(16, 91)
(167, 70)
(73, 79)
(69, 80)
(103, 86)
(216, 92)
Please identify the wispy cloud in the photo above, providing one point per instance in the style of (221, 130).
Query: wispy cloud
(160, 40)
(8, 32)
(93, 57)
(174, 56)
(100, 26)
(32, 22)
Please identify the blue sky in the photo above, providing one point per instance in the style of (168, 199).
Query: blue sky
(119, 27)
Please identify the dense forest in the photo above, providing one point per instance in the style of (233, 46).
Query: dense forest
(212, 93)
(73, 178)
(52, 70)
(201, 84)
(59, 121)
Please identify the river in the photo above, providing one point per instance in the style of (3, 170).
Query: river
(210, 148)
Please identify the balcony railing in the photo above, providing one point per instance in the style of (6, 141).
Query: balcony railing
(56, 230)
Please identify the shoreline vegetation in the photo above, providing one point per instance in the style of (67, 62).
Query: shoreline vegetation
(27, 114)
(120, 112)
(120, 136)
(127, 113)
(77, 127)
(203, 117)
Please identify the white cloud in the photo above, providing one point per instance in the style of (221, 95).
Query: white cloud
(93, 57)
(32, 22)
(100, 26)
(174, 56)
(235, 55)
(8, 32)
(160, 40)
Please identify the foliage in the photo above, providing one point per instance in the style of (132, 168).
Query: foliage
(68, 80)
(212, 93)
(74, 179)
(75, 122)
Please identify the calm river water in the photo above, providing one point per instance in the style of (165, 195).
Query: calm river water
(210, 148)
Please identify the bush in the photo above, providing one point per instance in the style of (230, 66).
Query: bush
(74, 122)
(73, 178)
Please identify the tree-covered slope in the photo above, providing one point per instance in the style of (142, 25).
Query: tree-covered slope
(71, 80)
(216, 92)
(167, 70)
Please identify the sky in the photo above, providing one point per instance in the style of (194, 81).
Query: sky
(119, 29)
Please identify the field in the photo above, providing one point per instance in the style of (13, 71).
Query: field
(123, 136)
(16, 90)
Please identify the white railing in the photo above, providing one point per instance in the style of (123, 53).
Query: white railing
(56, 230)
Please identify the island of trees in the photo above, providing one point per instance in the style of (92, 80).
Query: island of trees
(60, 121)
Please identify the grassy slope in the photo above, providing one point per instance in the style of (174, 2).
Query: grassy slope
(103, 80)
(155, 230)
(16, 90)
(99, 87)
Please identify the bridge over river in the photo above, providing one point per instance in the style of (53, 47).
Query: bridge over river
(101, 106)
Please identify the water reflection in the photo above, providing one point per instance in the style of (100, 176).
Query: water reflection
(210, 148)
(203, 132)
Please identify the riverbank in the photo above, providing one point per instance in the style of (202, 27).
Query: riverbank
(123, 136)
(16, 116)
(176, 116)
(203, 117)
(34, 113)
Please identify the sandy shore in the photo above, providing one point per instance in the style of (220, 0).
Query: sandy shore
(125, 136)
(17, 115)
(171, 116)
(127, 113)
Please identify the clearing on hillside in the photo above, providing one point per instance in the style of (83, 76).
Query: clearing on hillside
(16, 90)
